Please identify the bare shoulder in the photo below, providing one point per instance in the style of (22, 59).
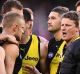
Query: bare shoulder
(42, 39)
(43, 46)
(10, 46)
(2, 53)
(43, 42)
(1, 49)
(11, 49)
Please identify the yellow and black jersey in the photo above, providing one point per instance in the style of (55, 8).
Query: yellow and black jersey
(29, 55)
(55, 55)
(71, 61)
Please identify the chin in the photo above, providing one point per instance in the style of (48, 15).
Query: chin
(64, 38)
(50, 31)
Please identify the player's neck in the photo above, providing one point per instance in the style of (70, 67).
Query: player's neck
(58, 35)
(7, 31)
(25, 39)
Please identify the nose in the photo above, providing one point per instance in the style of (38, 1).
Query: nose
(1, 25)
(22, 31)
(63, 27)
(49, 21)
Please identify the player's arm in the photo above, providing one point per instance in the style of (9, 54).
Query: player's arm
(8, 38)
(32, 69)
(11, 53)
(2, 58)
(43, 53)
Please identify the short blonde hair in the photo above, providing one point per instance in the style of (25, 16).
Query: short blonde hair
(10, 18)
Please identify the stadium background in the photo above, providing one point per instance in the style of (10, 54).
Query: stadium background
(41, 9)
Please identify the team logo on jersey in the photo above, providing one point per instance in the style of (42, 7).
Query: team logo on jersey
(50, 55)
(31, 58)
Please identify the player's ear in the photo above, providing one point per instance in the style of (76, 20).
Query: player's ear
(15, 27)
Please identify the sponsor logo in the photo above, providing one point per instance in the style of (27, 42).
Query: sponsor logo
(31, 58)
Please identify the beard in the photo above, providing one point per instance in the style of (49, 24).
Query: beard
(53, 31)
(17, 38)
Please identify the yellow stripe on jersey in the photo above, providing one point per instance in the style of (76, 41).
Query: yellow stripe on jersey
(32, 56)
(57, 59)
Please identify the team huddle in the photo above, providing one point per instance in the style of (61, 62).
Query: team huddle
(22, 52)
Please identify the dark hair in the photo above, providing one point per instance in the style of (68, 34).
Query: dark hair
(27, 15)
(72, 15)
(77, 3)
(1, 17)
(9, 4)
(60, 9)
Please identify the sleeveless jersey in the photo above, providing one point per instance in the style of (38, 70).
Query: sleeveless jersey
(33, 55)
(23, 50)
(55, 55)
(54, 65)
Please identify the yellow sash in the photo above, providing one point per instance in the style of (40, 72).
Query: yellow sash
(57, 59)
(32, 56)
